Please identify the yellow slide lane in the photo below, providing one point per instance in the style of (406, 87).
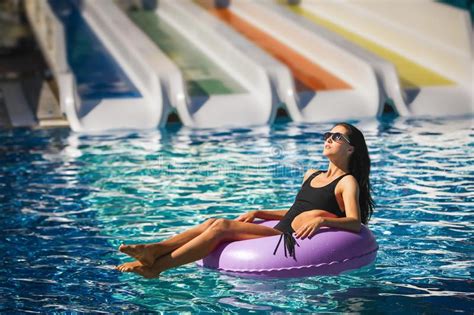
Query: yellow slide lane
(411, 75)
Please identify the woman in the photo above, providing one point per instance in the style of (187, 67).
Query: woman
(339, 198)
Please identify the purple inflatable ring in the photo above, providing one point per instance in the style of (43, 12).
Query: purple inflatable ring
(329, 252)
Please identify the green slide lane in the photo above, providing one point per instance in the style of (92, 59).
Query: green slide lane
(202, 76)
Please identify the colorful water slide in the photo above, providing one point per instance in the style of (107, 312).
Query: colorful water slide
(223, 86)
(104, 83)
(323, 82)
(430, 45)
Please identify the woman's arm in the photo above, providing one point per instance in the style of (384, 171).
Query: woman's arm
(350, 224)
(270, 214)
(262, 214)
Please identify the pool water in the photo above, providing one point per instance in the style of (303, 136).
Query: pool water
(68, 200)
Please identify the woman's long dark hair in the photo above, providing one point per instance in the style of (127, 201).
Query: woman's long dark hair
(359, 167)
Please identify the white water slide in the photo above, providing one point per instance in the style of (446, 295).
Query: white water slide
(112, 76)
(224, 83)
(429, 44)
(104, 82)
(314, 77)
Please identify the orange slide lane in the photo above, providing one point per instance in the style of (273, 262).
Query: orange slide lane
(309, 75)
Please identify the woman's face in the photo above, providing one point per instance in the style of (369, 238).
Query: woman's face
(337, 147)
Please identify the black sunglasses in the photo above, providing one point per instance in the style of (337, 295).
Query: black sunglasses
(336, 136)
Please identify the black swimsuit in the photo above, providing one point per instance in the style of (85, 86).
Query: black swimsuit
(308, 198)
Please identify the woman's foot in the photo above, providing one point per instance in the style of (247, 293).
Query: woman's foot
(128, 267)
(137, 267)
(143, 253)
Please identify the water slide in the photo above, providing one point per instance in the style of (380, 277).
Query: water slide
(429, 44)
(321, 81)
(104, 83)
(223, 85)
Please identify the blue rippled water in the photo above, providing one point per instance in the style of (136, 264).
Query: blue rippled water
(68, 200)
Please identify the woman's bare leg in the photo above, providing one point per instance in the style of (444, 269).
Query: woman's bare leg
(147, 253)
(199, 247)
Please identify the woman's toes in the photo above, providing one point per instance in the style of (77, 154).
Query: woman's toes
(130, 266)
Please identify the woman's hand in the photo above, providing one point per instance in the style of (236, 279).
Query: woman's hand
(309, 228)
(247, 217)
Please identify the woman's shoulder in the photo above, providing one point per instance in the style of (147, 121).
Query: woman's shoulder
(349, 181)
(308, 173)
